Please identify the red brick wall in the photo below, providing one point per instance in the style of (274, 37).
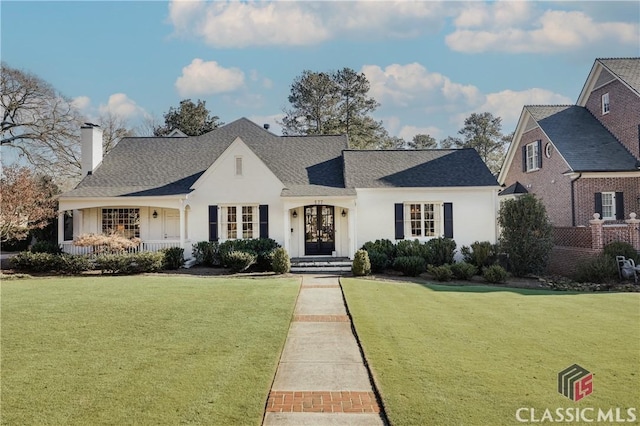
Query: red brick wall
(585, 188)
(572, 236)
(624, 113)
(563, 260)
(547, 183)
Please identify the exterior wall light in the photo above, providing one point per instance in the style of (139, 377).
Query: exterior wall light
(155, 214)
(294, 214)
(344, 213)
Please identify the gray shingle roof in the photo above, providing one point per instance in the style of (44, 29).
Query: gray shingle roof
(626, 69)
(169, 166)
(581, 139)
(306, 165)
(416, 168)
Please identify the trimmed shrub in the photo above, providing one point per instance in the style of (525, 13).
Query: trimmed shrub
(383, 246)
(527, 234)
(599, 269)
(464, 270)
(45, 247)
(480, 254)
(378, 261)
(36, 262)
(410, 248)
(239, 261)
(441, 273)
(74, 264)
(361, 265)
(411, 266)
(494, 274)
(261, 248)
(207, 253)
(619, 248)
(173, 258)
(280, 262)
(147, 262)
(114, 263)
(440, 251)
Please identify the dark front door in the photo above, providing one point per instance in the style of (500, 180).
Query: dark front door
(319, 230)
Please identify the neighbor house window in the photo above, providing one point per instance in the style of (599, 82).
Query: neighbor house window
(238, 166)
(423, 219)
(124, 222)
(608, 205)
(605, 103)
(533, 156)
(239, 222)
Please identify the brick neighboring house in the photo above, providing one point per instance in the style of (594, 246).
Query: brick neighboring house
(583, 158)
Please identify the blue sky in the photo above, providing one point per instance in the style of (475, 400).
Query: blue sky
(430, 64)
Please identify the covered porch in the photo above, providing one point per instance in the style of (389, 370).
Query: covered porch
(320, 228)
(156, 223)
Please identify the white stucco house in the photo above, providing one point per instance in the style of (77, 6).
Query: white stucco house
(311, 194)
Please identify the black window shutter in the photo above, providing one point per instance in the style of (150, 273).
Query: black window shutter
(539, 154)
(524, 158)
(598, 204)
(619, 206)
(448, 220)
(399, 221)
(213, 223)
(264, 221)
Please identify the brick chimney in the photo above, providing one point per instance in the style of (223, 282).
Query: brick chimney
(91, 137)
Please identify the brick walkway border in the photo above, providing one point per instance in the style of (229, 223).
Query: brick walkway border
(321, 318)
(322, 402)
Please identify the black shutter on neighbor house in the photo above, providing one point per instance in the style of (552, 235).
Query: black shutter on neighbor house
(598, 204)
(448, 220)
(619, 206)
(264, 221)
(524, 158)
(539, 154)
(213, 223)
(399, 221)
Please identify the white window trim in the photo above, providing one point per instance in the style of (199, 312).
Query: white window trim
(534, 157)
(438, 220)
(613, 205)
(606, 105)
(239, 228)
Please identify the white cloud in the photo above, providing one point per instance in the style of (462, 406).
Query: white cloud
(408, 132)
(507, 104)
(514, 27)
(121, 105)
(208, 78)
(257, 23)
(413, 84)
(81, 103)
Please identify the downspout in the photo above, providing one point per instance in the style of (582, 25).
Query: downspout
(573, 200)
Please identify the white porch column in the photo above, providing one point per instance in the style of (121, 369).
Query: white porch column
(287, 227)
(353, 235)
(60, 227)
(182, 222)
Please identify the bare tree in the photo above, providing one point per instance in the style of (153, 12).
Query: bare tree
(26, 202)
(39, 123)
(114, 128)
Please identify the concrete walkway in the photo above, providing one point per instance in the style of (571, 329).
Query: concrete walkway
(321, 378)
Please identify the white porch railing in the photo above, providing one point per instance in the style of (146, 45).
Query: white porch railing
(145, 246)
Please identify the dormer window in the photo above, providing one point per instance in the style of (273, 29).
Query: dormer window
(238, 166)
(605, 103)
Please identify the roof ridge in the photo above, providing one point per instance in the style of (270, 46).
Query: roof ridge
(621, 58)
(403, 149)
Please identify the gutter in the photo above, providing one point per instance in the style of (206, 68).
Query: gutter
(573, 200)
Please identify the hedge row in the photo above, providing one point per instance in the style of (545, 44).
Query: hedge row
(241, 255)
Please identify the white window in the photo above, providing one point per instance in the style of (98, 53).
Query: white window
(532, 156)
(423, 219)
(608, 205)
(605, 103)
(124, 222)
(239, 222)
(238, 166)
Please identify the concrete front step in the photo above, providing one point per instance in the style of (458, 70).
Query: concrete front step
(321, 264)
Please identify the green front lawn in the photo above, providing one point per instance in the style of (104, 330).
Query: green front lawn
(445, 355)
(142, 349)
